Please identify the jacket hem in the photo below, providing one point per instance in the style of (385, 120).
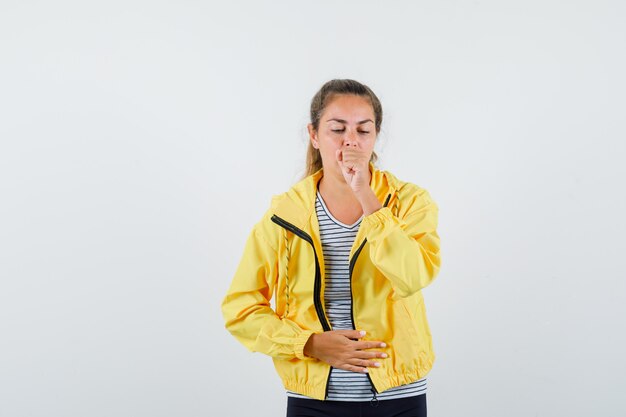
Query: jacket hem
(317, 392)
(384, 383)
(387, 382)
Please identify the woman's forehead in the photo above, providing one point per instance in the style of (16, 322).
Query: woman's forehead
(349, 109)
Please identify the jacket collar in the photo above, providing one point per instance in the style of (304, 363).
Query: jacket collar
(297, 205)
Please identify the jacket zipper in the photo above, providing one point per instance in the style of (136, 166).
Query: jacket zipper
(317, 288)
(387, 200)
(318, 285)
(352, 262)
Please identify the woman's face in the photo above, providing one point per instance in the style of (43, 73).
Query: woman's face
(346, 120)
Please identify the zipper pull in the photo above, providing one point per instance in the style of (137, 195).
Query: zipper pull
(374, 400)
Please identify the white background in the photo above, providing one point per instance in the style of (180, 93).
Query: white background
(141, 140)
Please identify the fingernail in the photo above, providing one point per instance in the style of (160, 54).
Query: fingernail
(384, 355)
(383, 344)
(376, 364)
(362, 332)
(365, 370)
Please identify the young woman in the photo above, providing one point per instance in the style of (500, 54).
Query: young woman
(344, 253)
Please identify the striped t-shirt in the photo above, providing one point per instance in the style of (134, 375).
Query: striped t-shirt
(337, 239)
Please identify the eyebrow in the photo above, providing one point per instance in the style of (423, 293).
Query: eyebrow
(343, 121)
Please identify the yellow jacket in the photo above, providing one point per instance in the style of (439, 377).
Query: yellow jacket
(395, 255)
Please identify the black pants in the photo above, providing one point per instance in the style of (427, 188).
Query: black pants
(402, 407)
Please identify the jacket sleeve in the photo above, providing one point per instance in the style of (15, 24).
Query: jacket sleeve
(405, 248)
(246, 307)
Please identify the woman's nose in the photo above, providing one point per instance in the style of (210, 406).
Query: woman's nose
(349, 139)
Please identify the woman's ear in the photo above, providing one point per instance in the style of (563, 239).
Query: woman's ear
(313, 136)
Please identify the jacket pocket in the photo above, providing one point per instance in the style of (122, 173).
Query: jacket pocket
(410, 323)
(419, 323)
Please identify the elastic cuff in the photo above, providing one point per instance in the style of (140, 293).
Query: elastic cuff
(301, 340)
(379, 217)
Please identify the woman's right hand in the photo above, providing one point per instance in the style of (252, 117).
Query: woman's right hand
(341, 349)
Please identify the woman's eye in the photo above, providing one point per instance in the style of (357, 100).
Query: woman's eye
(341, 130)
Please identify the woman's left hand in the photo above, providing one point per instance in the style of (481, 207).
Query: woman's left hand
(354, 164)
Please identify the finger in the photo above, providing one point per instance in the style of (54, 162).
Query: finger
(353, 368)
(368, 354)
(350, 152)
(364, 363)
(352, 334)
(370, 345)
(353, 157)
